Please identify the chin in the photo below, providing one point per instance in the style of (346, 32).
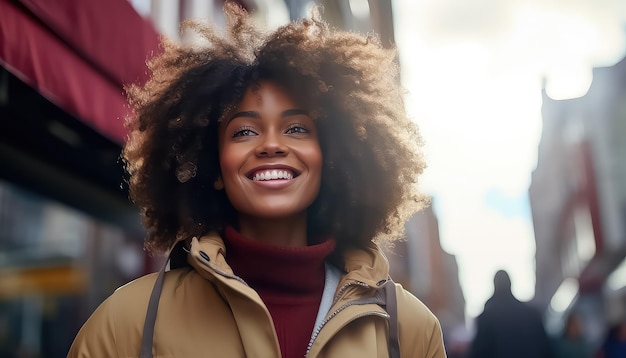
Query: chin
(275, 214)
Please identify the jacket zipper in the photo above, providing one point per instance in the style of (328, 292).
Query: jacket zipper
(345, 287)
(335, 312)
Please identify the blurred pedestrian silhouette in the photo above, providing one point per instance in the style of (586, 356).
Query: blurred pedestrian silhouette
(572, 343)
(614, 345)
(509, 328)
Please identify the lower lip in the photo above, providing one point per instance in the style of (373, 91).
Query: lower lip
(273, 184)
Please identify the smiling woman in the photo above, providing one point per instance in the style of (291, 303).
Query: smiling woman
(271, 164)
(266, 166)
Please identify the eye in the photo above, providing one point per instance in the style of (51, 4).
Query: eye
(297, 128)
(243, 132)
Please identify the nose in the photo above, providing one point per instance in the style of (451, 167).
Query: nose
(271, 145)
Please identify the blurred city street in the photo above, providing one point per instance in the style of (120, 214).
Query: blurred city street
(522, 111)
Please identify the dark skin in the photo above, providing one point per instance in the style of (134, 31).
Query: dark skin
(271, 165)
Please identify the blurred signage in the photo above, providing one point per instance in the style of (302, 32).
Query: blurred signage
(41, 280)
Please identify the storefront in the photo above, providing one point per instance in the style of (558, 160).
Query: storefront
(68, 233)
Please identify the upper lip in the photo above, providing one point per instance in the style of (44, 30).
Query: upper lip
(291, 169)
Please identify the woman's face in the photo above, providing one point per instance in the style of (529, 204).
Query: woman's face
(270, 157)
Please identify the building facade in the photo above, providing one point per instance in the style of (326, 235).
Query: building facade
(578, 197)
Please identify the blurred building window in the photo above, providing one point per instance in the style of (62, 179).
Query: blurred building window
(56, 265)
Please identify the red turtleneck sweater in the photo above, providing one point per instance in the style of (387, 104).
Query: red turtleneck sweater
(290, 281)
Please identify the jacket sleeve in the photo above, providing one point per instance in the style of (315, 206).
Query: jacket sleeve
(96, 338)
(420, 331)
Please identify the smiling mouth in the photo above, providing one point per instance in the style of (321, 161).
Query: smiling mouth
(264, 175)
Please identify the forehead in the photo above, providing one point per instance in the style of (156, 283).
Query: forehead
(267, 94)
(259, 94)
(264, 99)
(263, 95)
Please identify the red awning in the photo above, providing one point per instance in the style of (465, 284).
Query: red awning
(78, 54)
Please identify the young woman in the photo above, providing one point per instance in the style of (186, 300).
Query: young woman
(267, 165)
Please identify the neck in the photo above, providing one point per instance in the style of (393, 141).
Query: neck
(280, 232)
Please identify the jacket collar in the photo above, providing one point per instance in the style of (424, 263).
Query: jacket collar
(369, 266)
(209, 252)
(349, 294)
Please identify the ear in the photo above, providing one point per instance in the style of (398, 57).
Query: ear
(218, 184)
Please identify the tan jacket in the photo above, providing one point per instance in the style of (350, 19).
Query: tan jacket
(207, 311)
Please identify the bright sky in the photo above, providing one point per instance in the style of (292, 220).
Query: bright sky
(474, 70)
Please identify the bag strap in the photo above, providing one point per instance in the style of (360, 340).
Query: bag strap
(153, 305)
(391, 306)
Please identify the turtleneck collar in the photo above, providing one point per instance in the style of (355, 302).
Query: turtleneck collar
(281, 270)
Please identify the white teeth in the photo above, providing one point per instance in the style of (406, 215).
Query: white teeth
(272, 175)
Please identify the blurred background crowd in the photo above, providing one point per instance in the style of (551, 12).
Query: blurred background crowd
(555, 222)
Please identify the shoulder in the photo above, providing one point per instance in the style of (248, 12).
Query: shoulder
(115, 326)
(130, 301)
(420, 331)
(141, 288)
(414, 310)
(100, 335)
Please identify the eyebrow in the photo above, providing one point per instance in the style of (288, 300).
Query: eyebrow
(248, 114)
(254, 114)
(294, 112)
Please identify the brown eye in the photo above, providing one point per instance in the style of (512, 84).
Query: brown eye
(243, 132)
(297, 128)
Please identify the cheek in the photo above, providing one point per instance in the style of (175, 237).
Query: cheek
(229, 162)
(315, 161)
(229, 166)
